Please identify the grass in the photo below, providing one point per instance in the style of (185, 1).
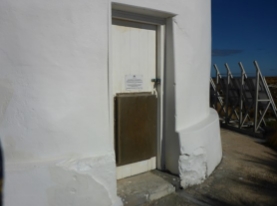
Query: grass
(272, 140)
(273, 137)
(272, 134)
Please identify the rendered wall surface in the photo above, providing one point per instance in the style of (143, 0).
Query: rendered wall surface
(55, 118)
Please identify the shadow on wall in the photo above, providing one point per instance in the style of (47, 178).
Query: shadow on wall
(170, 144)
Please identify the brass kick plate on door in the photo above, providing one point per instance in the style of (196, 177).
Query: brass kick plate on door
(135, 127)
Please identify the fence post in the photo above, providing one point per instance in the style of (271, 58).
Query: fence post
(229, 76)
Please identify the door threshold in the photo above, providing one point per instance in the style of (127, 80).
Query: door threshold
(135, 168)
(146, 187)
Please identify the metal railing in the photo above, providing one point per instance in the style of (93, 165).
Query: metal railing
(242, 102)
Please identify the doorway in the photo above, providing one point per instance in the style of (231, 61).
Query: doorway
(137, 90)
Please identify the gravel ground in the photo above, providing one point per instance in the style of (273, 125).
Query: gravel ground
(247, 175)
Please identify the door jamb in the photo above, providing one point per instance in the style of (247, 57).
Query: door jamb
(160, 89)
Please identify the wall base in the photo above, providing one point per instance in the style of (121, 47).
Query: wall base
(201, 150)
(69, 181)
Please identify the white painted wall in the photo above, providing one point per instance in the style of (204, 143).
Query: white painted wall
(55, 118)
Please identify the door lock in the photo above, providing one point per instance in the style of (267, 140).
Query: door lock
(156, 81)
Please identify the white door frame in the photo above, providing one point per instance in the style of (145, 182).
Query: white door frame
(160, 23)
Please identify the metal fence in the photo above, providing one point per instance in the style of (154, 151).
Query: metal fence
(242, 102)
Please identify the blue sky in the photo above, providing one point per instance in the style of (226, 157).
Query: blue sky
(245, 30)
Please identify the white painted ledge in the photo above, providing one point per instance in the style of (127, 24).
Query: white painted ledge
(201, 150)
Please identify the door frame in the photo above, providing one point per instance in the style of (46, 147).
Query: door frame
(160, 67)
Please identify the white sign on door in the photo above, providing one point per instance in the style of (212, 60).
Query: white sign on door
(133, 82)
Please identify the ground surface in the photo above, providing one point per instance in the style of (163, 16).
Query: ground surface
(247, 175)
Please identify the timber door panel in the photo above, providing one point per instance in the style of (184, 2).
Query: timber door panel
(133, 53)
(136, 123)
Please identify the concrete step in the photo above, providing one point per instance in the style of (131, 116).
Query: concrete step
(146, 187)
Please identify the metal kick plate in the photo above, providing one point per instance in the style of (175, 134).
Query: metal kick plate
(135, 127)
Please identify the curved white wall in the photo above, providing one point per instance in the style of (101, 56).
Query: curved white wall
(54, 103)
(54, 100)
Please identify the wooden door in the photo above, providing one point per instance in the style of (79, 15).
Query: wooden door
(134, 67)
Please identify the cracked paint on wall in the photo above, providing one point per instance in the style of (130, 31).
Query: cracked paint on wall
(73, 188)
